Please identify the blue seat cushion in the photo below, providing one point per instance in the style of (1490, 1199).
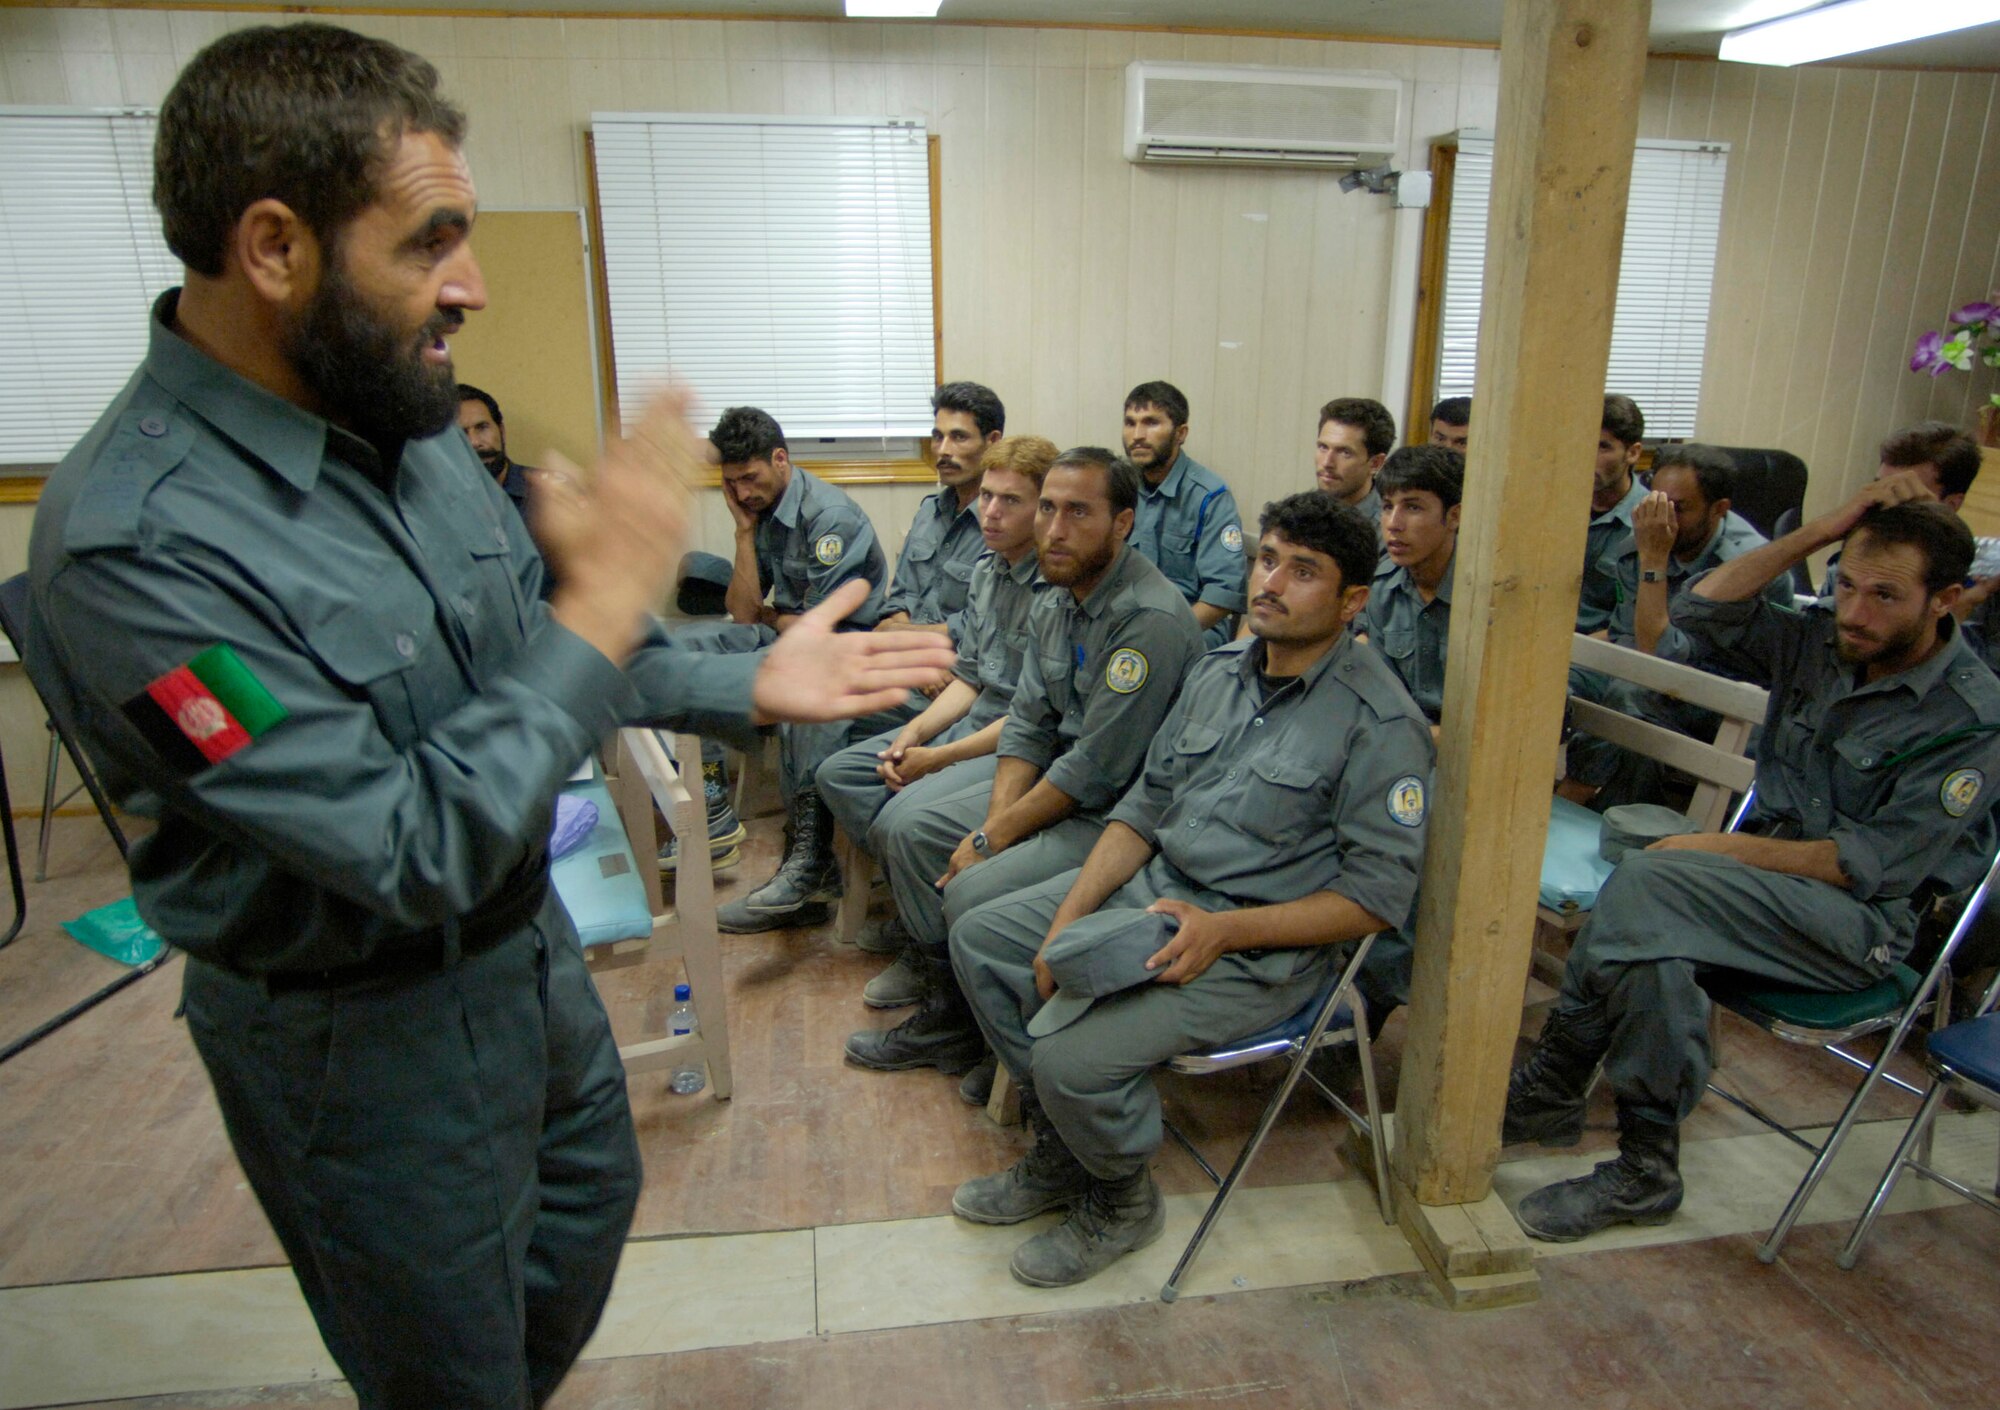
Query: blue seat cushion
(1971, 1048)
(1817, 1008)
(1572, 870)
(599, 884)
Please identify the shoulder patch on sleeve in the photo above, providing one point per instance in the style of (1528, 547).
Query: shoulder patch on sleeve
(1232, 538)
(829, 548)
(1126, 671)
(1406, 801)
(1959, 790)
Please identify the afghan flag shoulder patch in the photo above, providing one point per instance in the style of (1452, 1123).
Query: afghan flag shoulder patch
(205, 711)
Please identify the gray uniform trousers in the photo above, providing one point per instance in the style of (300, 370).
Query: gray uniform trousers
(1662, 918)
(446, 1155)
(915, 837)
(801, 748)
(854, 792)
(1093, 1077)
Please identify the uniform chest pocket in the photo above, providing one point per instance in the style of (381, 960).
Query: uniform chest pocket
(1280, 802)
(954, 584)
(492, 608)
(1056, 677)
(375, 659)
(1399, 644)
(1860, 784)
(1000, 664)
(1192, 745)
(1176, 549)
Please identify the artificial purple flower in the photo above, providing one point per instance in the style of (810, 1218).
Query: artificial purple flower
(1925, 357)
(1980, 312)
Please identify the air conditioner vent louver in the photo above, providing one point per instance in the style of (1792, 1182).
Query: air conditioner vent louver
(1259, 115)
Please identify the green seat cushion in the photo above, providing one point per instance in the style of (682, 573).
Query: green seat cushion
(1816, 1008)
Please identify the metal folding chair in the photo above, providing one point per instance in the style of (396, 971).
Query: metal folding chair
(1963, 1058)
(1828, 1020)
(14, 622)
(1334, 1015)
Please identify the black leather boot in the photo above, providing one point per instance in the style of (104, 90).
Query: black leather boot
(806, 878)
(1547, 1093)
(942, 1033)
(1642, 1186)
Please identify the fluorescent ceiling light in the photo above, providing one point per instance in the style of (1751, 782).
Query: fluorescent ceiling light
(893, 9)
(1850, 26)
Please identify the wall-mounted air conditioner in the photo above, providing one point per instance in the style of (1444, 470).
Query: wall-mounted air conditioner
(1259, 115)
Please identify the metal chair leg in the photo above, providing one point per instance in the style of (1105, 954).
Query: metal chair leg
(48, 805)
(1918, 1132)
(1377, 1143)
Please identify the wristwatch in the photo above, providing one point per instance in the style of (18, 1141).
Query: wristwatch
(1652, 575)
(980, 844)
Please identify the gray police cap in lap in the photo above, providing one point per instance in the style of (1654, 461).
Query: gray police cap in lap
(1637, 826)
(1098, 955)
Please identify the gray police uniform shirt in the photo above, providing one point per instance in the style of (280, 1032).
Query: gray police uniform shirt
(1097, 679)
(385, 709)
(1321, 787)
(811, 541)
(1733, 538)
(1410, 632)
(994, 632)
(1601, 542)
(1891, 771)
(934, 571)
(1188, 526)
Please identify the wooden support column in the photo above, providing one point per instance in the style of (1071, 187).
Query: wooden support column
(1570, 78)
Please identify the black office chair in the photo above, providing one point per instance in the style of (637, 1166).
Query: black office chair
(14, 610)
(1802, 583)
(1768, 482)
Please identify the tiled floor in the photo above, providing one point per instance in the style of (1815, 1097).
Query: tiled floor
(832, 1275)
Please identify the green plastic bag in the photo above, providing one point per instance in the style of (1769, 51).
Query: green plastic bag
(116, 932)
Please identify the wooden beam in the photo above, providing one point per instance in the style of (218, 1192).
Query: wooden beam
(1570, 77)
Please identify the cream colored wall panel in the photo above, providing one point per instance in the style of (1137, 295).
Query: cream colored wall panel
(755, 87)
(702, 83)
(1236, 398)
(1292, 365)
(1782, 289)
(1056, 235)
(1003, 282)
(1206, 48)
(1956, 397)
(78, 31)
(435, 38)
(1102, 253)
(141, 32)
(535, 39)
(1887, 370)
(910, 90)
(549, 138)
(805, 39)
(590, 85)
(698, 40)
(36, 76)
(1109, 48)
(909, 43)
(959, 43)
(483, 38)
(1693, 102)
(963, 216)
(1656, 97)
(1930, 259)
(859, 90)
(1154, 205)
(1194, 293)
(39, 31)
(1434, 63)
(1152, 45)
(747, 42)
(1433, 113)
(589, 39)
(809, 88)
(192, 31)
(645, 86)
(855, 43)
(1008, 47)
(1248, 49)
(1061, 48)
(1844, 444)
(91, 78)
(1749, 211)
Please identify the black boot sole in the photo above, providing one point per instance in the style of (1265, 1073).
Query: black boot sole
(951, 1065)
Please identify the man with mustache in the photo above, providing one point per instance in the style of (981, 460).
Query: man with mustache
(1107, 643)
(934, 570)
(1873, 784)
(288, 614)
(1279, 815)
(1187, 522)
(479, 417)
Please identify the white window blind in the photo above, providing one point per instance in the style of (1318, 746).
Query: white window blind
(81, 260)
(775, 262)
(1672, 220)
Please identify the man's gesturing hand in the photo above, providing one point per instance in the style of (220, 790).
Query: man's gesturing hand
(816, 673)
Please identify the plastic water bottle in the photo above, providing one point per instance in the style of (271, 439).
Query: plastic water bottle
(689, 1077)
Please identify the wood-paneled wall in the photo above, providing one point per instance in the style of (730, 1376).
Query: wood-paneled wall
(1861, 207)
